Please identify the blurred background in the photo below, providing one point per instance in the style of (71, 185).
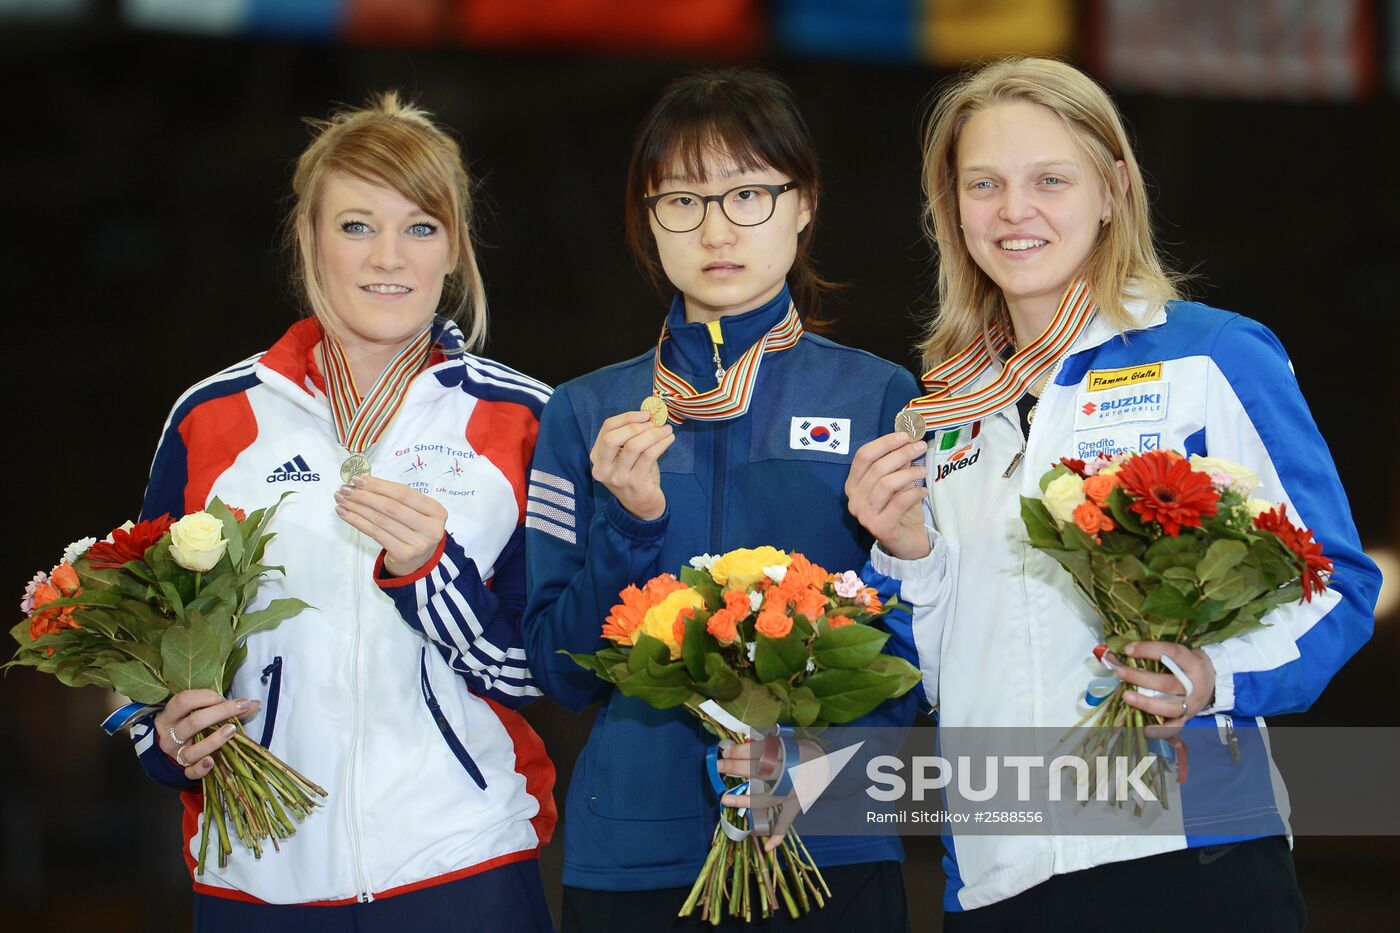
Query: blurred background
(146, 161)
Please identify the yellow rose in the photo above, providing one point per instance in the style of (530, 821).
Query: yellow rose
(741, 569)
(660, 620)
(1241, 478)
(1063, 495)
(197, 541)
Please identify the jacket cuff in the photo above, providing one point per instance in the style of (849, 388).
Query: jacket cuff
(928, 567)
(1224, 680)
(428, 566)
(630, 526)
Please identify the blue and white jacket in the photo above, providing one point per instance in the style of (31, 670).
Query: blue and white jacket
(395, 694)
(639, 811)
(1003, 638)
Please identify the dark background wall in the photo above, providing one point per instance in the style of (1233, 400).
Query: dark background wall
(144, 180)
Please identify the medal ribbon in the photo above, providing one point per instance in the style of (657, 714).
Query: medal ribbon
(360, 421)
(731, 397)
(942, 407)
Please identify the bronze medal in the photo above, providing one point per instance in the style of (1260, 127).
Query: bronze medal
(354, 466)
(911, 423)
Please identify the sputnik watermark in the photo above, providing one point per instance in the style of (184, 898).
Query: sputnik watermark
(1113, 779)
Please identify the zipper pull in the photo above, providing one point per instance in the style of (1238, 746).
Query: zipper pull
(1015, 462)
(1233, 741)
(716, 339)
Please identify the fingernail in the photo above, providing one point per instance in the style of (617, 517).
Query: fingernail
(228, 729)
(921, 446)
(206, 765)
(359, 481)
(345, 490)
(341, 510)
(243, 704)
(1128, 650)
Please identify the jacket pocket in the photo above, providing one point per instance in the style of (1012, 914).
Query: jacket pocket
(464, 757)
(272, 680)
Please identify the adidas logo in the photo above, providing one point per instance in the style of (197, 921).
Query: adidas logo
(294, 470)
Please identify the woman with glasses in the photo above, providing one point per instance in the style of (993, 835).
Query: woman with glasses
(721, 196)
(1062, 336)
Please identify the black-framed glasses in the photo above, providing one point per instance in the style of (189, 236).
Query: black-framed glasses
(744, 206)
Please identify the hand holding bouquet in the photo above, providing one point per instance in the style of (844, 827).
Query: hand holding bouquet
(158, 608)
(771, 638)
(1172, 550)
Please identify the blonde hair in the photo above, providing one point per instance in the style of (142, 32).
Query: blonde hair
(1124, 262)
(394, 143)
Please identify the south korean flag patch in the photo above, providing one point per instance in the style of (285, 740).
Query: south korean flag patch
(832, 435)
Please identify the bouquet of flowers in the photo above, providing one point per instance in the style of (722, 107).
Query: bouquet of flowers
(770, 638)
(160, 607)
(1169, 549)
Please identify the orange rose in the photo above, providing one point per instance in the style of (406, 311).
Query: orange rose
(1091, 519)
(44, 595)
(811, 604)
(803, 573)
(678, 626)
(773, 623)
(737, 603)
(658, 588)
(1098, 487)
(65, 578)
(724, 626)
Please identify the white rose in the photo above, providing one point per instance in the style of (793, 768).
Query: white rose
(197, 541)
(77, 549)
(1257, 507)
(1241, 478)
(1062, 495)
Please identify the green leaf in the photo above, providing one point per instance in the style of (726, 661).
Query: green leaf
(755, 705)
(1040, 527)
(851, 647)
(233, 534)
(1121, 508)
(1221, 557)
(646, 649)
(267, 618)
(1079, 564)
(907, 675)
(138, 682)
(1054, 473)
(697, 644)
(190, 658)
(804, 705)
(1169, 603)
(777, 659)
(235, 661)
(649, 693)
(1076, 540)
(720, 683)
(847, 695)
(590, 662)
(172, 596)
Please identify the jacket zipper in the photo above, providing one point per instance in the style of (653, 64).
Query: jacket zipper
(1025, 435)
(1225, 727)
(352, 759)
(464, 757)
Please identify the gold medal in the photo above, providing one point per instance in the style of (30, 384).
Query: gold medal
(354, 466)
(655, 406)
(911, 423)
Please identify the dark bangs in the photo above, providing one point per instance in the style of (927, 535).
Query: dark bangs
(746, 115)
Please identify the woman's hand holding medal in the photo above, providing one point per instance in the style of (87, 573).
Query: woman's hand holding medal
(407, 524)
(882, 494)
(625, 457)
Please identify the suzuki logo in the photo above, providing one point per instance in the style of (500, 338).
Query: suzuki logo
(1089, 408)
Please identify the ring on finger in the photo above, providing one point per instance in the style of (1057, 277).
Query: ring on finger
(180, 757)
(1185, 707)
(176, 739)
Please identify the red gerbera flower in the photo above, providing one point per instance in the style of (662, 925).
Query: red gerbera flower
(128, 543)
(1077, 466)
(1300, 542)
(1165, 489)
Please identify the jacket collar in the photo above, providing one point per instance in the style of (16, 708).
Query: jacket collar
(689, 348)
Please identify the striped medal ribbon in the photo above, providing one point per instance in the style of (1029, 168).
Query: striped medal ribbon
(359, 421)
(731, 397)
(943, 406)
